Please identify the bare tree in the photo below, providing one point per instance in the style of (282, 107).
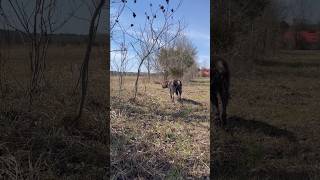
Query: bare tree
(3, 73)
(3, 60)
(148, 65)
(266, 31)
(148, 38)
(94, 23)
(122, 63)
(247, 29)
(35, 26)
(120, 7)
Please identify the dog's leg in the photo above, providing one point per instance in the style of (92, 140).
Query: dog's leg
(177, 93)
(216, 109)
(171, 95)
(174, 91)
(224, 99)
(224, 111)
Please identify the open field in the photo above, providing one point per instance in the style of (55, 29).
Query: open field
(152, 138)
(274, 121)
(273, 131)
(42, 141)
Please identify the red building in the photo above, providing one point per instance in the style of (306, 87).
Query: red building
(204, 72)
(302, 39)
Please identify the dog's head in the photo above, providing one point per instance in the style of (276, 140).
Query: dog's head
(177, 83)
(165, 84)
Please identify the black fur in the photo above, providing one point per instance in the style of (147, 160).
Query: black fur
(220, 89)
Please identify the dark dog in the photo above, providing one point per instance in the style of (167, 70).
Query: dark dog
(175, 86)
(220, 88)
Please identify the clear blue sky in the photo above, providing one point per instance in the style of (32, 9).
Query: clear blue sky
(195, 14)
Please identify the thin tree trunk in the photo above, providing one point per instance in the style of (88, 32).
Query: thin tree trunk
(137, 80)
(85, 64)
(149, 71)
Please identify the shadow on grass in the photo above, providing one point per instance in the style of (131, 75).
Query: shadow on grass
(190, 101)
(243, 150)
(259, 126)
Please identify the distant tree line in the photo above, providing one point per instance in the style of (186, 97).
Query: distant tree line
(14, 37)
(255, 29)
(247, 29)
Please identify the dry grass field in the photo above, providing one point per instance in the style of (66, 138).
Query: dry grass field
(274, 121)
(37, 142)
(273, 130)
(152, 138)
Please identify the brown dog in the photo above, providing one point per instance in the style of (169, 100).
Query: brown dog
(175, 86)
